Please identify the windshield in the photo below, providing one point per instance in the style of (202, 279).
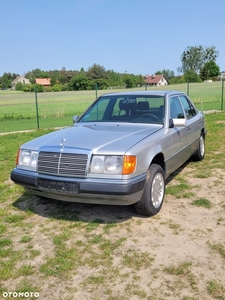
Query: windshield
(131, 109)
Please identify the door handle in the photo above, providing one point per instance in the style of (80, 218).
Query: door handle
(188, 129)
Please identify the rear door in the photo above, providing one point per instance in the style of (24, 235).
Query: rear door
(193, 123)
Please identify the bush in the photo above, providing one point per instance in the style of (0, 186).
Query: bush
(66, 87)
(57, 87)
(39, 88)
(47, 89)
(102, 84)
(27, 87)
(19, 86)
(192, 76)
(177, 80)
(79, 83)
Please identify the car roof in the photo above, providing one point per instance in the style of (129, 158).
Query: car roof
(145, 93)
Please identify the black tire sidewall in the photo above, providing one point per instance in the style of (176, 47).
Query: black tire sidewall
(197, 156)
(145, 206)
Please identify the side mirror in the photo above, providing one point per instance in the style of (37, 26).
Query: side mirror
(171, 124)
(177, 123)
(75, 118)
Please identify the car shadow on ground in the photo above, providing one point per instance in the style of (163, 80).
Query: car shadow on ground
(70, 211)
(178, 171)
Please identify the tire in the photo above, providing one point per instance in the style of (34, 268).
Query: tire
(200, 152)
(154, 191)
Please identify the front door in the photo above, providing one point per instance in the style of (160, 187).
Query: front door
(180, 135)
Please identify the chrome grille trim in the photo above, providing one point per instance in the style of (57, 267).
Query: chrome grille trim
(62, 164)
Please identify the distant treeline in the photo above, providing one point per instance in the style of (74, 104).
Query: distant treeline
(96, 77)
(69, 80)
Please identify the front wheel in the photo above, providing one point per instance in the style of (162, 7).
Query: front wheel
(154, 191)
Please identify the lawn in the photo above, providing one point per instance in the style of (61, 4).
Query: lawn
(24, 111)
(75, 251)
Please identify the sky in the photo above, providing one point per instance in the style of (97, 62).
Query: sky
(133, 36)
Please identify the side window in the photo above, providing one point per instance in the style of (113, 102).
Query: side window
(176, 111)
(188, 107)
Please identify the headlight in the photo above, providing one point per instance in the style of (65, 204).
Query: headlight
(115, 165)
(97, 164)
(27, 159)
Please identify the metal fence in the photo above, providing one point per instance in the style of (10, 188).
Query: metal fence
(26, 111)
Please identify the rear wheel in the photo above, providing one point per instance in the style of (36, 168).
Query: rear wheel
(154, 191)
(200, 152)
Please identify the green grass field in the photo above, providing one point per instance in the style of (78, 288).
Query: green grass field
(18, 110)
(73, 251)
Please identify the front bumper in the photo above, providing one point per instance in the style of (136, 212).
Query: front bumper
(88, 190)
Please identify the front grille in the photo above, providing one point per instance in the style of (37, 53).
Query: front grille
(62, 164)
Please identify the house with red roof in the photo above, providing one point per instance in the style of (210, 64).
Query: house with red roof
(155, 80)
(43, 81)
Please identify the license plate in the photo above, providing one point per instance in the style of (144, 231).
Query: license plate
(60, 186)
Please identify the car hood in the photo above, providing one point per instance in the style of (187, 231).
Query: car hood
(95, 137)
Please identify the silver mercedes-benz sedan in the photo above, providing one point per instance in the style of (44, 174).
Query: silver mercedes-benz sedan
(118, 152)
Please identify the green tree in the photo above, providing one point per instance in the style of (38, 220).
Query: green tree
(210, 70)
(139, 80)
(62, 78)
(96, 72)
(44, 74)
(194, 58)
(213, 69)
(57, 87)
(114, 78)
(167, 74)
(6, 79)
(19, 86)
(102, 83)
(177, 80)
(66, 87)
(39, 88)
(129, 81)
(191, 76)
(66, 76)
(27, 87)
(31, 75)
(53, 75)
(79, 83)
(82, 72)
(204, 74)
(91, 85)
(36, 73)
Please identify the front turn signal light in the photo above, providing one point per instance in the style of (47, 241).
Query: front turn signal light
(129, 164)
(17, 157)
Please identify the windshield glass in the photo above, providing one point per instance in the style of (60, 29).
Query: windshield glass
(132, 109)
